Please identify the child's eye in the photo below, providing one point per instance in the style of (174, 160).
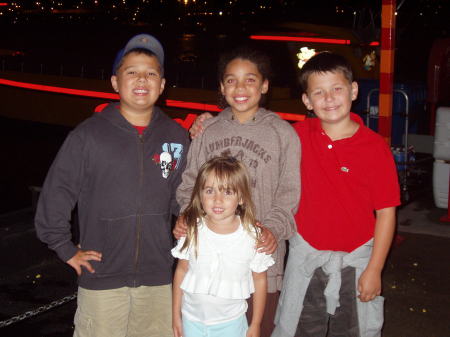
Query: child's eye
(230, 81)
(317, 93)
(152, 74)
(131, 72)
(250, 80)
(338, 89)
(229, 192)
(208, 190)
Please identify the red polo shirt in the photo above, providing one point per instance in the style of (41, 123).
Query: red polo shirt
(343, 183)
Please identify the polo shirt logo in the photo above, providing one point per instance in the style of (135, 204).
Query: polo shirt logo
(345, 169)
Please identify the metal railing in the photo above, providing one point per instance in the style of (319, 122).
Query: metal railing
(175, 77)
(37, 311)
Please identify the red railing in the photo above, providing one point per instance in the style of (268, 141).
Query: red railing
(186, 123)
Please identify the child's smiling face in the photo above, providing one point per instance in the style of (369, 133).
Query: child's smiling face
(330, 96)
(219, 202)
(242, 86)
(139, 82)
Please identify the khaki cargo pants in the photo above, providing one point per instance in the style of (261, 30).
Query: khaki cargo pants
(124, 312)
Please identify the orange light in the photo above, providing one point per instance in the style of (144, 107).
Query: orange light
(192, 105)
(299, 39)
(187, 122)
(374, 43)
(291, 117)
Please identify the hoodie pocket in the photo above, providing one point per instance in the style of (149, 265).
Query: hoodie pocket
(156, 242)
(119, 242)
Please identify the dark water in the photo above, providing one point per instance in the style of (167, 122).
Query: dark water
(191, 53)
(27, 150)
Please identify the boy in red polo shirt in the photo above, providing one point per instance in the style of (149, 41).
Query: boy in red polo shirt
(346, 216)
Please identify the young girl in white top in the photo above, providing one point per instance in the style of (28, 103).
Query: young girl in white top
(218, 266)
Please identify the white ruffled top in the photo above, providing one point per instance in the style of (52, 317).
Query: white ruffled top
(224, 264)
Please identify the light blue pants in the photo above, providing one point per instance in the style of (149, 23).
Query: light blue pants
(234, 328)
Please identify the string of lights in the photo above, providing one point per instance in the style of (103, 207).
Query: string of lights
(140, 11)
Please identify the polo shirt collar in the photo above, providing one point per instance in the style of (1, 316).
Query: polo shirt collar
(317, 127)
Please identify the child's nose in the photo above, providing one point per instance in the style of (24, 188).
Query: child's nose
(142, 77)
(240, 84)
(328, 96)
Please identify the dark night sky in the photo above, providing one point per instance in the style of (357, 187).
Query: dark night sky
(45, 24)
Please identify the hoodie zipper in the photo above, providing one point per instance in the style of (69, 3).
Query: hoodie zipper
(139, 209)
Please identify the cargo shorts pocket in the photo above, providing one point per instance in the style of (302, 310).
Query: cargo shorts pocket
(83, 325)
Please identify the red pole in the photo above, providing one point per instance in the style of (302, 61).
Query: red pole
(387, 68)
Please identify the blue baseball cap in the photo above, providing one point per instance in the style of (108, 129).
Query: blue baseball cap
(141, 41)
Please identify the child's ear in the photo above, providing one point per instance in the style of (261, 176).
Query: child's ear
(306, 101)
(114, 83)
(241, 202)
(265, 87)
(354, 90)
(163, 84)
(222, 88)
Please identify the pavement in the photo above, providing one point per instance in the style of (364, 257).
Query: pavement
(416, 280)
(422, 217)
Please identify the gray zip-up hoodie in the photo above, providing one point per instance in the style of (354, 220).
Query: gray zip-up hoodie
(270, 149)
(124, 184)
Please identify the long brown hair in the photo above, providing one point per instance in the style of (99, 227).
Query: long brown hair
(231, 174)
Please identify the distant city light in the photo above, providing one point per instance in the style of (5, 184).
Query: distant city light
(122, 11)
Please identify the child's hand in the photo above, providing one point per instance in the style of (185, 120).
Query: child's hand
(180, 229)
(177, 326)
(267, 242)
(197, 127)
(253, 330)
(82, 258)
(369, 285)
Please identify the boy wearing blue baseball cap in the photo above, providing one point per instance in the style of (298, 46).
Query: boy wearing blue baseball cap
(122, 167)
